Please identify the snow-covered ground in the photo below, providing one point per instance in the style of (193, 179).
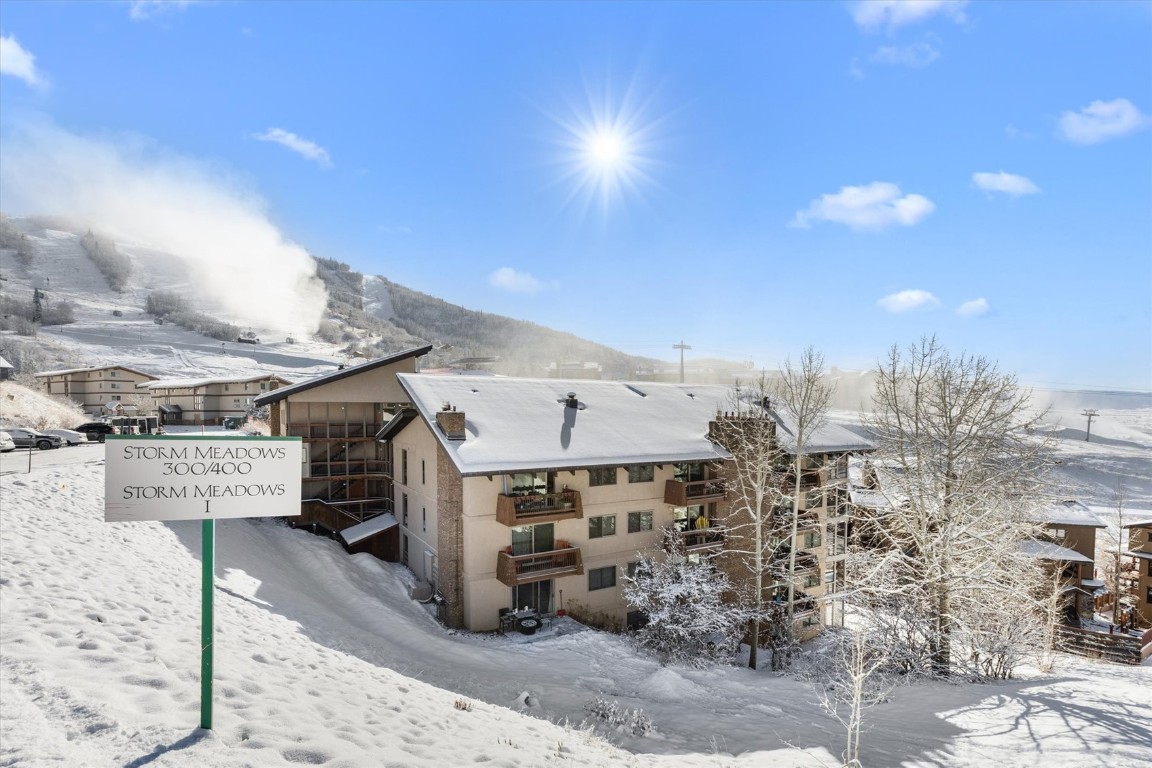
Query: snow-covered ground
(322, 658)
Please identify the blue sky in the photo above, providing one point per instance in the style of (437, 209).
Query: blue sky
(750, 178)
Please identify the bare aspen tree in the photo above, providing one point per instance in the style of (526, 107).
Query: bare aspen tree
(754, 478)
(802, 392)
(963, 480)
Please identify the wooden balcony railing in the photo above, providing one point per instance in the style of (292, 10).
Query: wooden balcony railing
(350, 468)
(524, 569)
(709, 539)
(538, 508)
(681, 493)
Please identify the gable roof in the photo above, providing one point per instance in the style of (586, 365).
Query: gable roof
(1069, 512)
(65, 371)
(342, 373)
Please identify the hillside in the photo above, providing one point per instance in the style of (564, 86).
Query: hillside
(98, 289)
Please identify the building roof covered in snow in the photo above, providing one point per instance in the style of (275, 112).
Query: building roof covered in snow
(68, 371)
(343, 372)
(192, 383)
(1069, 512)
(514, 425)
(1047, 550)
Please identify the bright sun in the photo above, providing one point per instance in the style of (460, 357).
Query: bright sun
(606, 149)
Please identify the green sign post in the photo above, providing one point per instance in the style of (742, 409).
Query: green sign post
(208, 555)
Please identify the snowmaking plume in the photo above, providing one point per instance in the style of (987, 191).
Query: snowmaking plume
(130, 189)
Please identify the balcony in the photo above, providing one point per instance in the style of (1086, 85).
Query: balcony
(538, 508)
(697, 541)
(680, 493)
(352, 468)
(513, 570)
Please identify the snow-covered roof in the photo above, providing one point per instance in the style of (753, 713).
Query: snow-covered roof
(203, 382)
(829, 438)
(5, 364)
(1139, 524)
(65, 371)
(517, 425)
(342, 373)
(867, 497)
(1141, 555)
(368, 528)
(1047, 550)
(1069, 512)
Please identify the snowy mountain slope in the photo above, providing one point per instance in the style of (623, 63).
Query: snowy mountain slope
(323, 659)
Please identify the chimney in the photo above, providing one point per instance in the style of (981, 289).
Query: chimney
(572, 402)
(451, 423)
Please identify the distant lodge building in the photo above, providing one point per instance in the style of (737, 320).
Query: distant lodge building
(504, 493)
(1069, 546)
(1136, 571)
(96, 389)
(208, 400)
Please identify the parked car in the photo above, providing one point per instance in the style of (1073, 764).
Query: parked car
(6, 443)
(96, 430)
(69, 436)
(30, 438)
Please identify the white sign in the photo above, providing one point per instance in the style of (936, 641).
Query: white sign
(186, 477)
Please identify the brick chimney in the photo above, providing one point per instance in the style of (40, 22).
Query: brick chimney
(451, 423)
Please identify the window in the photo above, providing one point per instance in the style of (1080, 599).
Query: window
(1057, 533)
(404, 554)
(602, 578)
(263, 386)
(812, 580)
(639, 521)
(602, 476)
(811, 540)
(235, 401)
(423, 473)
(404, 466)
(424, 519)
(1150, 572)
(114, 385)
(642, 473)
(814, 499)
(404, 507)
(599, 527)
(686, 473)
(632, 568)
(225, 387)
(114, 374)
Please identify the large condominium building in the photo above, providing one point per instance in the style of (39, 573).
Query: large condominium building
(208, 400)
(95, 388)
(541, 493)
(346, 478)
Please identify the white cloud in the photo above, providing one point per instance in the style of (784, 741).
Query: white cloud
(855, 70)
(914, 56)
(905, 301)
(1101, 121)
(510, 280)
(303, 147)
(875, 206)
(1008, 183)
(872, 15)
(973, 308)
(141, 10)
(17, 62)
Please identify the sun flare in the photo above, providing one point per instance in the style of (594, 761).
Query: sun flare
(607, 150)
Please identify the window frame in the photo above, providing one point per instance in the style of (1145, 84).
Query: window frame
(598, 574)
(599, 476)
(642, 473)
(600, 522)
(638, 515)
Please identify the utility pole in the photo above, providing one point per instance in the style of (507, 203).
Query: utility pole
(681, 346)
(1090, 413)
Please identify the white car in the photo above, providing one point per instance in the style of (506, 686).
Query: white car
(69, 436)
(6, 443)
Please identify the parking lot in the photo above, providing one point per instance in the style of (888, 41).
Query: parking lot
(17, 461)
